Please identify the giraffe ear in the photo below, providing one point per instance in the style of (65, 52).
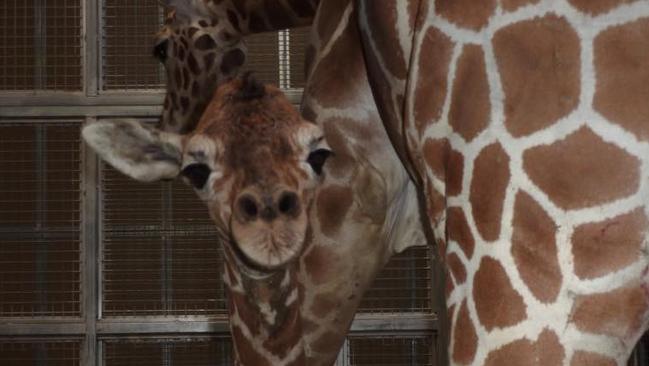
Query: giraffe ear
(135, 149)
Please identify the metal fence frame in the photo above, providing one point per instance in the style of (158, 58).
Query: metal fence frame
(89, 105)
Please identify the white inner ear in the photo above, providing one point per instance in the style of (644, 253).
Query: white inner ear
(143, 153)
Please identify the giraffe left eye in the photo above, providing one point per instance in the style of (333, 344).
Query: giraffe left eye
(317, 159)
(160, 51)
(197, 174)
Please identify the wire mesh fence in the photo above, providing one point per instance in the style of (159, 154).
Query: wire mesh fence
(128, 30)
(160, 252)
(41, 45)
(391, 351)
(39, 352)
(39, 219)
(189, 351)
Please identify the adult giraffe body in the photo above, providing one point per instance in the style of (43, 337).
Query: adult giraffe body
(525, 127)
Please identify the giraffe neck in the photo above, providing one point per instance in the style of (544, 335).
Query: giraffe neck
(265, 315)
(202, 63)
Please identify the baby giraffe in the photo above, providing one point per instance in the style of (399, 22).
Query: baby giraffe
(256, 164)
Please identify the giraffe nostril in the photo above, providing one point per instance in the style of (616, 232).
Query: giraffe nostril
(288, 203)
(248, 207)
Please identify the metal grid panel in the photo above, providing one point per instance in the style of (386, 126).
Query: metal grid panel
(391, 351)
(263, 56)
(299, 39)
(40, 45)
(128, 32)
(404, 284)
(212, 351)
(39, 219)
(160, 252)
(30, 353)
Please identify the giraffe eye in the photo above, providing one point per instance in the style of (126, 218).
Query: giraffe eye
(197, 174)
(160, 51)
(317, 159)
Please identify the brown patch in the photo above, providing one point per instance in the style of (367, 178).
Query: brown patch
(457, 229)
(186, 79)
(345, 60)
(178, 77)
(232, 60)
(496, 301)
(192, 31)
(319, 264)
(248, 313)
(246, 353)
(309, 326)
(329, 18)
(446, 163)
(234, 19)
(534, 248)
(193, 64)
(431, 89)
(470, 107)
(181, 53)
(603, 247)
(204, 42)
(466, 13)
(382, 23)
(546, 351)
(196, 91)
(323, 304)
(464, 337)
(333, 202)
(582, 170)
(582, 358)
(617, 313)
(184, 104)
(622, 75)
(538, 62)
(457, 268)
(490, 179)
(289, 334)
(208, 60)
(416, 13)
(202, 23)
(511, 5)
(597, 7)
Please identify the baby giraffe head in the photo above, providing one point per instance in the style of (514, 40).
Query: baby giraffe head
(253, 160)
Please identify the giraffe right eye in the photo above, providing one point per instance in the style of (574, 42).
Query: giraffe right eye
(160, 51)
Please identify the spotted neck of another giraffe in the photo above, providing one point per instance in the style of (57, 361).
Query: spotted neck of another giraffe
(207, 48)
(265, 317)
